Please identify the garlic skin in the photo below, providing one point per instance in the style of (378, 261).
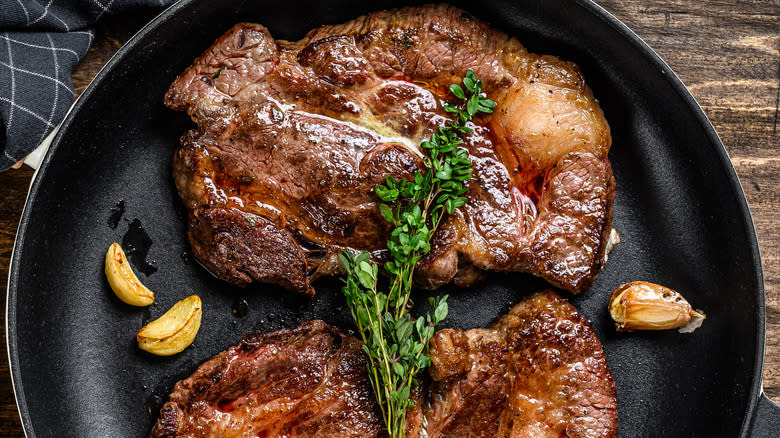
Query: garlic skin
(641, 305)
(612, 240)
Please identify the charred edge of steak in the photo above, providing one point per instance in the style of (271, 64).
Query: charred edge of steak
(581, 188)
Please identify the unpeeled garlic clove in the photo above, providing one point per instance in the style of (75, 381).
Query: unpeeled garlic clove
(641, 305)
(122, 279)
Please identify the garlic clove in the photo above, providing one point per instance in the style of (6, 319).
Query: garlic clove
(174, 330)
(641, 305)
(123, 280)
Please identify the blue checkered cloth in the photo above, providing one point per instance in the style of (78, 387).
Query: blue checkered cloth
(41, 41)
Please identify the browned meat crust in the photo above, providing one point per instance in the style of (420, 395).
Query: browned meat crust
(307, 381)
(538, 372)
(292, 137)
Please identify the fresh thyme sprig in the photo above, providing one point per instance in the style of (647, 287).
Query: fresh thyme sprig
(396, 344)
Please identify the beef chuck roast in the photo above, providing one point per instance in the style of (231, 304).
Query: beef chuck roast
(537, 372)
(307, 381)
(292, 137)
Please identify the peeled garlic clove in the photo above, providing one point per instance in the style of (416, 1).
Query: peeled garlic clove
(174, 330)
(640, 305)
(122, 279)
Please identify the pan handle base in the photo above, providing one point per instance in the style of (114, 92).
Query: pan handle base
(766, 421)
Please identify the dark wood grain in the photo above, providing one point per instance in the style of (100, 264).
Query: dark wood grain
(726, 52)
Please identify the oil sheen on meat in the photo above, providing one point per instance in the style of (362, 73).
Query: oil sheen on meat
(292, 137)
(539, 371)
(302, 382)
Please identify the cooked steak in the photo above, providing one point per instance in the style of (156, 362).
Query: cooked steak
(292, 137)
(307, 381)
(538, 372)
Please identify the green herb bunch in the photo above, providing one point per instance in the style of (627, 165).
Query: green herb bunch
(396, 344)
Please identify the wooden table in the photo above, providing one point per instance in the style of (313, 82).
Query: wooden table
(726, 52)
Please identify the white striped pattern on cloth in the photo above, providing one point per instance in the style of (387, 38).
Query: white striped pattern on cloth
(41, 41)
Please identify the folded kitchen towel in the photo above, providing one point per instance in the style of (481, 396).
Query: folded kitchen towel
(41, 41)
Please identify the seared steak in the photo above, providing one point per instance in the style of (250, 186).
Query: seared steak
(538, 372)
(292, 137)
(307, 381)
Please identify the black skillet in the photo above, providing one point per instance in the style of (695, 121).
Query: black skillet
(680, 210)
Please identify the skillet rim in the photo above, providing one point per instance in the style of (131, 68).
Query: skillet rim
(588, 6)
(756, 390)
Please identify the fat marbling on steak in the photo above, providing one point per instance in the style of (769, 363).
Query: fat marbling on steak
(292, 137)
(538, 372)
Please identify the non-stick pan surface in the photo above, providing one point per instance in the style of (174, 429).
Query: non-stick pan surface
(680, 210)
